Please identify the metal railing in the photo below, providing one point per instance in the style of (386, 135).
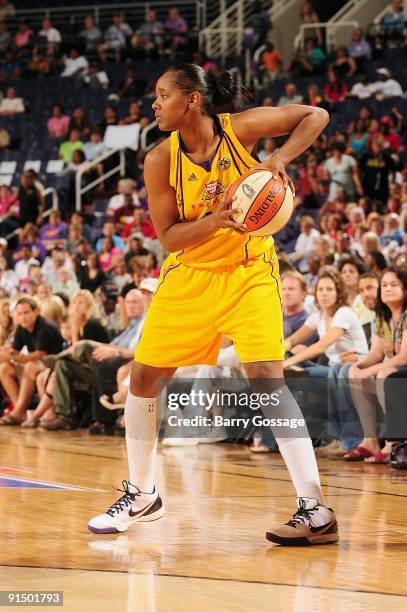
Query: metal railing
(224, 35)
(85, 167)
(331, 31)
(193, 11)
(143, 136)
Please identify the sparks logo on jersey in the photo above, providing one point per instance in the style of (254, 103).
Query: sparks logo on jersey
(224, 163)
(212, 190)
(192, 177)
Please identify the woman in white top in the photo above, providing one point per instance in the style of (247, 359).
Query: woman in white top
(337, 325)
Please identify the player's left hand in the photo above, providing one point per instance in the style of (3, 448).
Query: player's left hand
(276, 166)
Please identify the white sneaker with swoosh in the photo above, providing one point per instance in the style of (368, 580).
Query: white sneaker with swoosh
(133, 507)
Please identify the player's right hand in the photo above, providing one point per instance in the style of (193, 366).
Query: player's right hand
(223, 215)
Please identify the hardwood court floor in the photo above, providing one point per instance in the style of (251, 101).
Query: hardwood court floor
(209, 552)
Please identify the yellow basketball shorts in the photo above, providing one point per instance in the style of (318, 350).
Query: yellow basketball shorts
(192, 308)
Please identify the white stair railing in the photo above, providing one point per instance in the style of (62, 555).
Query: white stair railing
(332, 29)
(86, 166)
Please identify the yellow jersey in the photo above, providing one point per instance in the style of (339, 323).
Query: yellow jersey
(199, 188)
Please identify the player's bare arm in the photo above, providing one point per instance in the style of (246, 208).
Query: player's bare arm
(303, 123)
(173, 234)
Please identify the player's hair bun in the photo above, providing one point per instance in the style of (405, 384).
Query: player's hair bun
(222, 90)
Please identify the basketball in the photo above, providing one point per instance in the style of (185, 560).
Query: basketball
(265, 203)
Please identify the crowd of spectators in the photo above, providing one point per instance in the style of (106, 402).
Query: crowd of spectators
(343, 254)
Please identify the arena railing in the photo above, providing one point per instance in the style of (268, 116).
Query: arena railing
(331, 29)
(86, 166)
(193, 11)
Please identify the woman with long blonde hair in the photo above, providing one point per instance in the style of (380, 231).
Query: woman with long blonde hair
(86, 321)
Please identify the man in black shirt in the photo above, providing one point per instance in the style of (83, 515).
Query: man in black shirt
(376, 166)
(18, 369)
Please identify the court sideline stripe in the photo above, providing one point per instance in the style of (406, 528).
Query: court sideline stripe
(168, 575)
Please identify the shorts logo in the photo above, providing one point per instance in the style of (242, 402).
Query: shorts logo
(212, 189)
(248, 191)
(224, 163)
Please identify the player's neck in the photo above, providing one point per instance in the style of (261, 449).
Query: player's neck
(199, 136)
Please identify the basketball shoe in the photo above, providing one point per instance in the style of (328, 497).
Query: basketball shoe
(311, 524)
(133, 507)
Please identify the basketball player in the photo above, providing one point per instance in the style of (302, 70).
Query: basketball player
(217, 280)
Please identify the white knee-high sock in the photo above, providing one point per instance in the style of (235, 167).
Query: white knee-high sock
(140, 414)
(295, 446)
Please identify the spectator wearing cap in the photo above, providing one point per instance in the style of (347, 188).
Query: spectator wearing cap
(385, 86)
(41, 338)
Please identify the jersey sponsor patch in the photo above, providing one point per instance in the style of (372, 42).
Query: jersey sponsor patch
(224, 163)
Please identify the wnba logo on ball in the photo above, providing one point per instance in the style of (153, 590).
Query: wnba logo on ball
(269, 201)
(248, 191)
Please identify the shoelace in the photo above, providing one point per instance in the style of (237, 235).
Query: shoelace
(125, 500)
(301, 515)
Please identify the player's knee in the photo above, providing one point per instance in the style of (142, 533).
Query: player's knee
(6, 368)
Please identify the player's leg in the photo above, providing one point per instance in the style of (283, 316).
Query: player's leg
(313, 523)
(140, 501)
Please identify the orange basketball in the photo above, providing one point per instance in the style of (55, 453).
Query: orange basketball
(265, 203)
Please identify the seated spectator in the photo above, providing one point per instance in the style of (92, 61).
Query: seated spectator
(29, 236)
(7, 9)
(392, 23)
(10, 104)
(52, 35)
(95, 147)
(359, 139)
(124, 214)
(109, 255)
(361, 89)
(351, 269)
(140, 270)
(139, 223)
(109, 231)
(69, 146)
(57, 259)
(96, 365)
(58, 123)
(176, 30)
(344, 65)
(313, 97)
(133, 116)
(305, 243)
(150, 34)
(110, 118)
(309, 15)
(309, 61)
(53, 309)
(258, 25)
(55, 231)
(135, 247)
(271, 61)
(44, 291)
(389, 134)
(10, 66)
(90, 34)
(9, 280)
(291, 96)
(391, 230)
(335, 90)
(338, 327)
(66, 282)
(387, 354)
(76, 65)
(22, 266)
(115, 38)
(91, 275)
(79, 122)
(124, 187)
(22, 39)
(131, 86)
(359, 49)
(385, 86)
(96, 79)
(293, 302)
(5, 37)
(41, 338)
